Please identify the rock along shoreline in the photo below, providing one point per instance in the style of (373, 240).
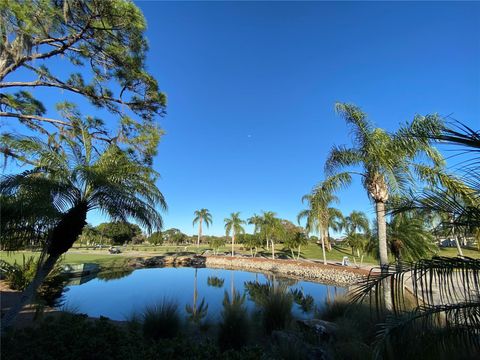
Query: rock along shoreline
(302, 270)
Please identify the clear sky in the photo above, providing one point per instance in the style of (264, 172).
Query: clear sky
(251, 90)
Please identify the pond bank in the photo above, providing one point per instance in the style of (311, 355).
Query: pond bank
(310, 271)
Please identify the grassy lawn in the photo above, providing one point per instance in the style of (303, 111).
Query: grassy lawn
(451, 252)
(104, 259)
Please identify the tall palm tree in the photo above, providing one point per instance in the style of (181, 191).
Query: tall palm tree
(271, 224)
(71, 181)
(452, 317)
(319, 212)
(233, 225)
(387, 162)
(335, 222)
(202, 215)
(357, 227)
(256, 221)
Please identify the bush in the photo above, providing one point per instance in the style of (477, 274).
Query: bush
(19, 276)
(75, 337)
(277, 309)
(161, 321)
(234, 328)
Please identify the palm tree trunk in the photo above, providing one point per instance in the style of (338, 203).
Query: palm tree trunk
(322, 236)
(199, 233)
(233, 243)
(329, 244)
(382, 233)
(298, 253)
(382, 247)
(273, 250)
(457, 243)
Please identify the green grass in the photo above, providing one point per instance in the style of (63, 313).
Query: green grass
(101, 257)
(451, 252)
(104, 260)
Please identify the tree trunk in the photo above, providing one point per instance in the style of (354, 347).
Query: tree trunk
(457, 243)
(329, 244)
(322, 236)
(62, 237)
(382, 233)
(298, 254)
(199, 232)
(233, 243)
(273, 250)
(382, 247)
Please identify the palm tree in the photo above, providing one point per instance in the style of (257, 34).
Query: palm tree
(335, 222)
(71, 181)
(354, 223)
(271, 224)
(256, 221)
(408, 238)
(319, 212)
(387, 162)
(202, 215)
(233, 225)
(451, 318)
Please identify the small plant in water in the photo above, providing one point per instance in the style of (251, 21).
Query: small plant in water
(161, 320)
(234, 328)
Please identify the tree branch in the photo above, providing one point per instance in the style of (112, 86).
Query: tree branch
(34, 117)
(72, 40)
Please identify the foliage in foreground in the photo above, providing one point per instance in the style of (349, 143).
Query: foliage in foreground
(444, 323)
(20, 275)
(161, 321)
(234, 328)
(76, 337)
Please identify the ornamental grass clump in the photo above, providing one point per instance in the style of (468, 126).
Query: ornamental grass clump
(234, 327)
(277, 309)
(161, 321)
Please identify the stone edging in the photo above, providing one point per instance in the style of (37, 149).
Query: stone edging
(310, 271)
(329, 274)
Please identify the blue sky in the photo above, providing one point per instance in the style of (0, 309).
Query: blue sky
(251, 90)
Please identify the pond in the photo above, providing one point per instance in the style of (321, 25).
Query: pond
(120, 295)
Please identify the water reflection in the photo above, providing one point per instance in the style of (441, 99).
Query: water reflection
(196, 314)
(201, 291)
(215, 281)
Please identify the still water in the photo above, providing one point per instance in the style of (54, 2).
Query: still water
(119, 295)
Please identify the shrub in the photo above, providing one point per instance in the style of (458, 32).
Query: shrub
(19, 276)
(277, 309)
(234, 328)
(161, 321)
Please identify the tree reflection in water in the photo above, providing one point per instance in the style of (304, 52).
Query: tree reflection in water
(196, 313)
